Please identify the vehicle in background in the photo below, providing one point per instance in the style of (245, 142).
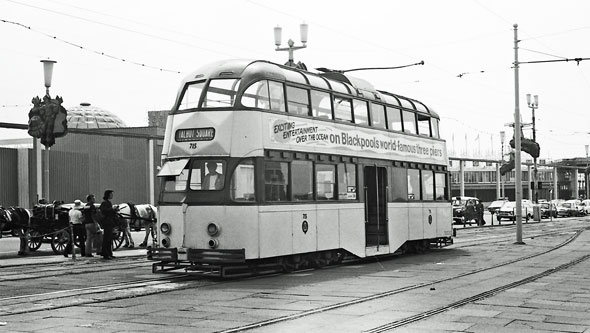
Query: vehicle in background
(570, 208)
(547, 210)
(494, 207)
(508, 210)
(586, 206)
(459, 207)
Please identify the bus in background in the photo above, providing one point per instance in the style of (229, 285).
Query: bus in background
(265, 164)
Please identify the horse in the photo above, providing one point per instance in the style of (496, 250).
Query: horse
(17, 219)
(137, 216)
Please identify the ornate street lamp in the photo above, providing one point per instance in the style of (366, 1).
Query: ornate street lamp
(534, 104)
(303, 29)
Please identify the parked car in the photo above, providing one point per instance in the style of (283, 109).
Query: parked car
(494, 207)
(586, 206)
(548, 210)
(459, 207)
(569, 208)
(508, 210)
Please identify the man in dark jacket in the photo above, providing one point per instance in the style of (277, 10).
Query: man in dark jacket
(108, 223)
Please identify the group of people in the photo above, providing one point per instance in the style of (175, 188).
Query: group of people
(474, 211)
(93, 228)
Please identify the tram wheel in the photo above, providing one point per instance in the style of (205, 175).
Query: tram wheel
(35, 240)
(60, 241)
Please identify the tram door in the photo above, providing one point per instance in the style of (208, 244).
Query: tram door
(375, 206)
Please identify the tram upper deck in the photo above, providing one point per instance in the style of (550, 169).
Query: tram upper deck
(284, 108)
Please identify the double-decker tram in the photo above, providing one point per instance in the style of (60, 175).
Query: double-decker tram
(266, 165)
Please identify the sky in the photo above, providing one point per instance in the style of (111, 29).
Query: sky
(129, 57)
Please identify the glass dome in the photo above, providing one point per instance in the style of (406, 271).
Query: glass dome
(87, 116)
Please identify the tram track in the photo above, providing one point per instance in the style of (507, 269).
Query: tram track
(124, 290)
(430, 313)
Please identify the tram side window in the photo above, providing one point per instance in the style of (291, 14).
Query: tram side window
(297, 101)
(276, 181)
(423, 124)
(342, 108)
(321, 106)
(434, 124)
(207, 175)
(221, 93)
(346, 181)
(414, 184)
(361, 112)
(191, 95)
(378, 115)
(256, 96)
(242, 182)
(440, 189)
(394, 119)
(409, 119)
(427, 185)
(325, 177)
(277, 96)
(302, 180)
(399, 187)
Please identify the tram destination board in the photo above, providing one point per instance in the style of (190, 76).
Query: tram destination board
(195, 134)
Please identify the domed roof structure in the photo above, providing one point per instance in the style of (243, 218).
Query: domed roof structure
(87, 116)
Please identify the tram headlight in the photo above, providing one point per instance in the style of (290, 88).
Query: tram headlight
(213, 229)
(165, 228)
(166, 242)
(213, 243)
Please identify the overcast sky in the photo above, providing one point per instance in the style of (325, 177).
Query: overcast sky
(162, 41)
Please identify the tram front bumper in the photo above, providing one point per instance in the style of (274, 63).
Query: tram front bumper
(201, 256)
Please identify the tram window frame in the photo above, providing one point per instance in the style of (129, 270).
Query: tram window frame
(394, 119)
(227, 87)
(435, 129)
(199, 169)
(423, 124)
(278, 185)
(427, 180)
(342, 106)
(298, 101)
(187, 101)
(243, 181)
(325, 179)
(399, 185)
(347, 182)
(378, 116)
(319, 99)
(301, 180)
(361, 112)
(441, 191)
(259, 98)
(409, 122)
(414, 185)
(277, 96)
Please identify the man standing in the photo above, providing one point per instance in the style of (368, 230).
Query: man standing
(108, 223)
(93, 238)
(75, 215)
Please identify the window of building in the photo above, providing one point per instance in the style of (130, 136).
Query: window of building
(361, 112)
(347, 181)
(242, 182)
(325, 178)
(298, 100)
(302, 180)
(414, 184)
(276, 181)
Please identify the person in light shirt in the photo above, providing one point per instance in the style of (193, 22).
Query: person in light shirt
(75, 215)
(213, 180)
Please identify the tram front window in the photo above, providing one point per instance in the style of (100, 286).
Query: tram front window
(191, 96)
(207, 175)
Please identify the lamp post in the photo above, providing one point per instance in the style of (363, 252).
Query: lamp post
(534, 104)
(303, 28)
(502, 138)
(48, 74)
(517, 144)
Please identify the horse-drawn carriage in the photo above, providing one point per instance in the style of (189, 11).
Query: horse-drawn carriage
(49, 223)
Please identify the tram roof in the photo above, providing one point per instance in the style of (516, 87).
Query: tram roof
(254, 70)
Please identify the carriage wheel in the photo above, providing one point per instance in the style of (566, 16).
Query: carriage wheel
(35, 240)
(60, 241)
(117, 238)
